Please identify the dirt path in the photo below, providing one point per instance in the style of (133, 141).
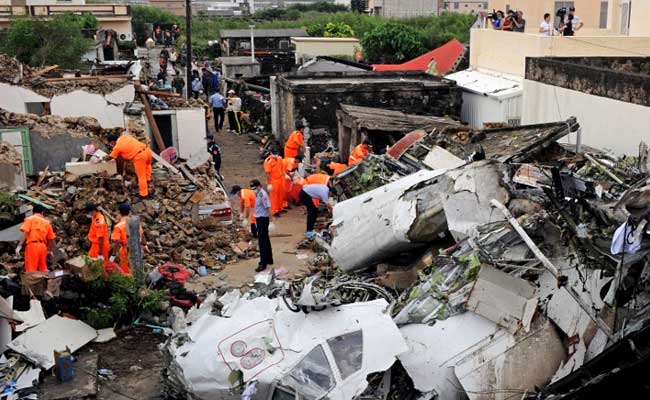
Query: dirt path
(240, 164)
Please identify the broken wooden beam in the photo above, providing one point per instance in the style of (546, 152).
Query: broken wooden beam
(158, 93)
(601, 167)
(152, 122)
(44, 71)
(107, 214)
(188, 174)
(165, 164)
(88, 78)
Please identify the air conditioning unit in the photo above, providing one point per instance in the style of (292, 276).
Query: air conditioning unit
(126, 37)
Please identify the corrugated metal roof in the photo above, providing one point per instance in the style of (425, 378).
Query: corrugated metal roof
(246, 33)
(493, 85)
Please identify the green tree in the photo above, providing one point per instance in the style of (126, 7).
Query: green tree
(46, 42)
(391, 43)
(142, 15)
(338, 29)
(316, 30)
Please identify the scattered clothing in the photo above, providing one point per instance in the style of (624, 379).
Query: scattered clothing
(627, 238)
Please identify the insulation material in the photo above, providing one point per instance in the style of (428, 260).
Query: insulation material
(329, 352)
(39, 343)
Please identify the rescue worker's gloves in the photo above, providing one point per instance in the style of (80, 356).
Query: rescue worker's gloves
(18, 249)
(100, 257)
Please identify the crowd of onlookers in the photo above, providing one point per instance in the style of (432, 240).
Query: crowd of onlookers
(513, 21)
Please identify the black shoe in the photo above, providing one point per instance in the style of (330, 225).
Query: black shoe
(260, 268)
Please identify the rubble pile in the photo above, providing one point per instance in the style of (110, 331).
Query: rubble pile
(98, 86)
(50, 125)
(10, 69)
(8, 154)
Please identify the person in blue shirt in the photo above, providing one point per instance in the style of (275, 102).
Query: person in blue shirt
(215, 81)
(262, 213)
(496, 23)
(197, 87)
(218, 111)
(307, 195)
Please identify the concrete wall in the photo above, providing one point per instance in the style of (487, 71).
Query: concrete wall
(15, 98)
(55, 149)
(466, 7)
(318, 103)
(244, 70)
(313, 47)
(506, 52)
(606, 123)
(108, 110)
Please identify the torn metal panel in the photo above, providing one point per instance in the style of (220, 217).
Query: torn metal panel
(31, 317)
(508, 301)
(432, 349)
(39, 343)
(503, 363)
(467, 203)
(375, 225)
(439, 158)
(323, 353)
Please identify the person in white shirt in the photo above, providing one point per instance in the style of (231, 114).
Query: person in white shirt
(546, 28)
(234, 112)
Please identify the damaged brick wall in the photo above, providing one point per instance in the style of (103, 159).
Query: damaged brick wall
(620, 78)
(317, 97)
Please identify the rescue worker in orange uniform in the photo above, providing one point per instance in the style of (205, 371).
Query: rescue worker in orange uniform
(120, 239)
(129, 148)
(98, 233)
(246, 206)
(317, 179)
(276, 178)
(290, 165)
(39, 235)
(336, 168)
(360, 152)
(295, 142)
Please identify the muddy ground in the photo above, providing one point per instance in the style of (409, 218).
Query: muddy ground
(134, 357)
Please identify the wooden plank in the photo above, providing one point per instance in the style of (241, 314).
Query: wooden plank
(88, 78)
(152, 122)
(35, 201)
(45, 70)
(165, 164)
(188, 174)
(46, 171)
(188, 232)
(107, 215)
(158, 93)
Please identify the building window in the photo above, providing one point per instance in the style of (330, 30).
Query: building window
(604, 5)
(486, 6)
(456, 6)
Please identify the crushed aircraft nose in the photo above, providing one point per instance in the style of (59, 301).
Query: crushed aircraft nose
(328, 353)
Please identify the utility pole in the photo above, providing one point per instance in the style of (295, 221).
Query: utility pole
(252, 26)
(188, 47)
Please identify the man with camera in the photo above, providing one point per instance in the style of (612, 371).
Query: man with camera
(508, 22)
(519, 23)
(571, 23)
(496, 19)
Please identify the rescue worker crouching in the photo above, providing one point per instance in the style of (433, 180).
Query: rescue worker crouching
(39, 236)
(247, 207)
(129, 148)
(360, 152)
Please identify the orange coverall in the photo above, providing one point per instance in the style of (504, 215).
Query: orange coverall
(358, 154)
(120, 235)
(289, 165)
(98, 230)
(129, 148)
(275, 172)
(247, 197)
(337, 167)
(317, 179)
(295, 141)
(37, 232)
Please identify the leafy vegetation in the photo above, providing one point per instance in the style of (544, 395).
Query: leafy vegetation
(429, 32)
(141, 16)
(391, 43)
(39, 42)
(117, 298)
